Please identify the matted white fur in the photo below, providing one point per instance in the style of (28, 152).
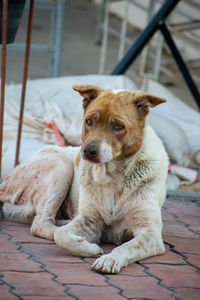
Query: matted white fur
(105, 152)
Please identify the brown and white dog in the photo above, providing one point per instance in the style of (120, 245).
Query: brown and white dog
(112, 188)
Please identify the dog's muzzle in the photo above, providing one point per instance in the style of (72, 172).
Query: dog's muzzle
(91, 153)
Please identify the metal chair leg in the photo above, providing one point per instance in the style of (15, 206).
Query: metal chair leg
(24, 80)
(3, 73)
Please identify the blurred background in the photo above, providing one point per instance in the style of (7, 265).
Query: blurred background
(77, 37)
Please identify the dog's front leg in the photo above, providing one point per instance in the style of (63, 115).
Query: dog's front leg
(147, 242)
(80, 236)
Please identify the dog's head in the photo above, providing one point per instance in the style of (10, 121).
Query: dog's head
(113, 122)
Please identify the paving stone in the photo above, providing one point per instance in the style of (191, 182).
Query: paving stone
(176, 276)
(49, 252)
(184, 245)
(18, 262)
(190, 220)
(193, 222)
(133, 282)
(6, 223)
(6, 245)
(184, 208)
(176, 229)
(64, 297)
(188, 293)
(168, 258)
(97, 293)
(21, 234)
(140, 287)
(133, 269)
(72, 273)
(193, 259)
(34, 284)
(166, 216)
(4, 292)
(195, 228)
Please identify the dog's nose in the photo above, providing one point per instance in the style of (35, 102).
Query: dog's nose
(90, 151)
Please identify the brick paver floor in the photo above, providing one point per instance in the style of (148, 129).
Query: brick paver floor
(34, 268)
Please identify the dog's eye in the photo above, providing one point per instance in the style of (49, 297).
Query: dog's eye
(89, 122)
(118, 127)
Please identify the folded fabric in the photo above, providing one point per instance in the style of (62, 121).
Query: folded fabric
(182, 115)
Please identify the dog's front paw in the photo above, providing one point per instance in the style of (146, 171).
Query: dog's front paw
(107, 263)
(75, 244)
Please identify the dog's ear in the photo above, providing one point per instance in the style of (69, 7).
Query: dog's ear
(89, 93)
(144, 100)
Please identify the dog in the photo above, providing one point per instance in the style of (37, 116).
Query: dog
(110, 189)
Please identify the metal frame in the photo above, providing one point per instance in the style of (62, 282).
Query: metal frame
(52, 51)
(54, 56)
(157, 23)
(3, 72)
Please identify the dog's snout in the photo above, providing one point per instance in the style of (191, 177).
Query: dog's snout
(90, 151)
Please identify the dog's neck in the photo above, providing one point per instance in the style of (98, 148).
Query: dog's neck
(106, 173)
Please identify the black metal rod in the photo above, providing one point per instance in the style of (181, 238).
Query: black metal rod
(144, 37)
(180, 62)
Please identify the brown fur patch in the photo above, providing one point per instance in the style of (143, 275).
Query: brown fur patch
(78, 159)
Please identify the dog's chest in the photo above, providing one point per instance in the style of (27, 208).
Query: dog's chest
(109, 183)
(110, 197)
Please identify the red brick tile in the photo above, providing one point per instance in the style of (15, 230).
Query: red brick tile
(176, 276)
(49, 252)
(188, 293)
(4, 292)
(64, 297)
(133, 269)
(193, 259)
(167, 216)
(177, 229)
(17, 262)
(193, 222)
(37, 284)
(183, 245)
(189, 220)
(76, 273)
(97, 293)
(168, 258)
(195, 228)
(5, 245)
(186, 208)
(21, 234)
(140, 287)
(7, 223)
(80, 273)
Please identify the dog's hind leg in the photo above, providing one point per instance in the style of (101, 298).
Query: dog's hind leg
(54, 193)
(44, 221)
